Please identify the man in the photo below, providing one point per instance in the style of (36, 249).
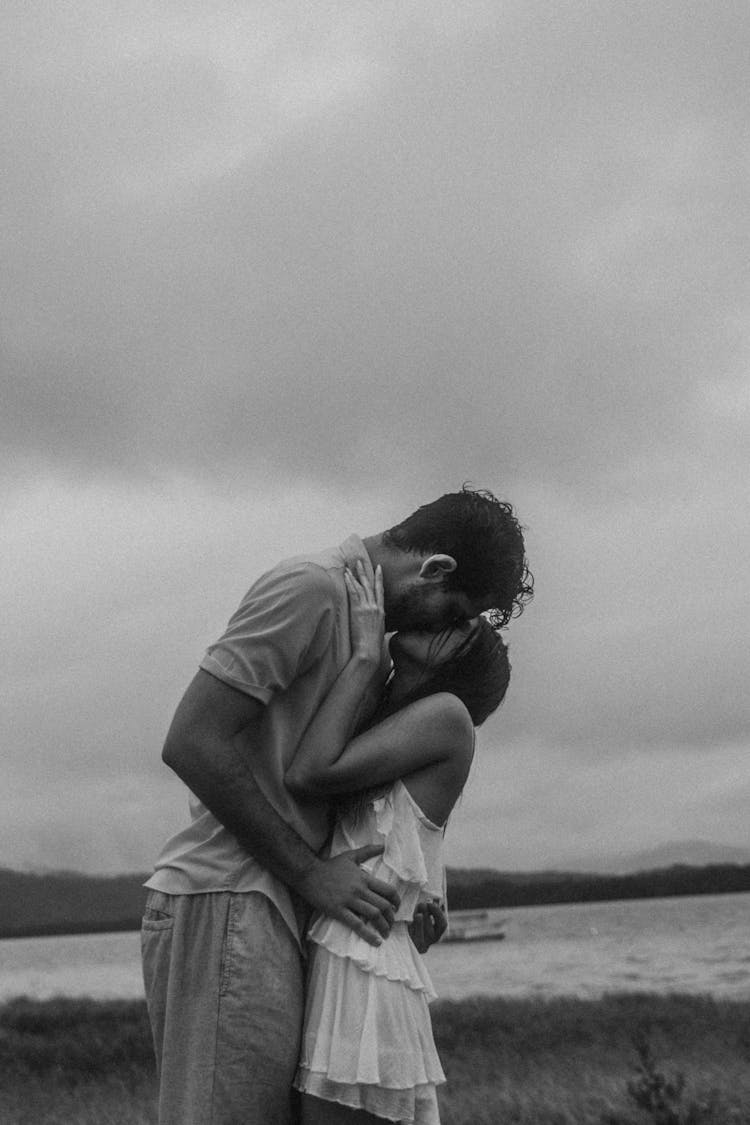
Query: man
(221, 932)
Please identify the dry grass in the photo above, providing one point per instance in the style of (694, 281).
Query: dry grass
(508, 1062)
(571, 1062)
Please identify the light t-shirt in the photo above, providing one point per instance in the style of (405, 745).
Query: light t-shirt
(285, 646)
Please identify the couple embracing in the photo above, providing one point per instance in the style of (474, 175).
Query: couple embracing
(284, 925)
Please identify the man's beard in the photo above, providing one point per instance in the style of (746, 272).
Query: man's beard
(409, 611)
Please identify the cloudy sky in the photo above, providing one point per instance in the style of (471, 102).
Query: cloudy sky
(273, 272)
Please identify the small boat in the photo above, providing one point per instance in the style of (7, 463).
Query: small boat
(474, 925)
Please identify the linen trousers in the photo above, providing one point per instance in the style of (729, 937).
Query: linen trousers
(225, 993)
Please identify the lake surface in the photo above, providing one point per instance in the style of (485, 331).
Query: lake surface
(699, 944)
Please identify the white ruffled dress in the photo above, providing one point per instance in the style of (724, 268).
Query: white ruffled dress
(367, 1039)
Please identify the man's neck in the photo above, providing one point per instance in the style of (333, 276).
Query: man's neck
(375, 548)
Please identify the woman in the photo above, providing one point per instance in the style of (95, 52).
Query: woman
(368, 1054)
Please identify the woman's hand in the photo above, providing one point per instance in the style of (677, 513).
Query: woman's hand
(366, 613)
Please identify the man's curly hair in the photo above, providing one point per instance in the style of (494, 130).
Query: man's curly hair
(484, 537)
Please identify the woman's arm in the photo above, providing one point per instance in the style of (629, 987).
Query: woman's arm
(431, 730)
(435, 729)
(339, 715)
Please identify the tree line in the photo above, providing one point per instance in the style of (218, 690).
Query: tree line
(67, 902)
(466, 892)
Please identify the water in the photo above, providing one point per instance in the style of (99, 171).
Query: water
(105, 966)
(696, 944)
(699, 944)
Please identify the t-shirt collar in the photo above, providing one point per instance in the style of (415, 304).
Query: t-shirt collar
(352, 549)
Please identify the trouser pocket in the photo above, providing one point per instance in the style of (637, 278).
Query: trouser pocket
(157, 931)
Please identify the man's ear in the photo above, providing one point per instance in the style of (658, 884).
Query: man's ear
(436, 568)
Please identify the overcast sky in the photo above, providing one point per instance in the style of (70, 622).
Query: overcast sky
(277, 272)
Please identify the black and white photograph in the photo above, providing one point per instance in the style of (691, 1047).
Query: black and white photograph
(376, 449)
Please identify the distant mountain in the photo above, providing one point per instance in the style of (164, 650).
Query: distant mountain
(537, 889)
(687, 853)
(476, 876)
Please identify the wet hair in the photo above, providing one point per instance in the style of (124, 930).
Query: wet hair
(485, 538)
(478, 673)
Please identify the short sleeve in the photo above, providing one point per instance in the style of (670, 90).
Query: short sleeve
(283, 624)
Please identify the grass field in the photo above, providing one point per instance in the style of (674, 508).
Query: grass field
(622, 1060)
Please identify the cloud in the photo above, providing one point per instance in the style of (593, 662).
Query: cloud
(534, 806)
(272, 274)
(535, 262)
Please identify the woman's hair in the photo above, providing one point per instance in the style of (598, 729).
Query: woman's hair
(478, 673)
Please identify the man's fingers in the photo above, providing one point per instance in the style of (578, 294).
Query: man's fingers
(374, 907)
(383, 890)
(371, 936)
(367, 851)
(374, 891)
(385, 898)
(378, 923)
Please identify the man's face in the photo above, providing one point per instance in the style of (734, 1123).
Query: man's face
(428, 607)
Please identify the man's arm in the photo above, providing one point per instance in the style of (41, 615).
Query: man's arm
(203, 748)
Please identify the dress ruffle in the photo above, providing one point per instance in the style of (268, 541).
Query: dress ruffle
(418, 1106)
(412, 860)
(368, 1039)
(396, 958)
(368, 1042)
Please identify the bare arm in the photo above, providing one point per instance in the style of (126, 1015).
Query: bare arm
(339, 715)
(203, 748)
(432, 732)
(436, 742)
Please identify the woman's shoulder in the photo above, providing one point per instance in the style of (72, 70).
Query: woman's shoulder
(444, 725)
(447, 715)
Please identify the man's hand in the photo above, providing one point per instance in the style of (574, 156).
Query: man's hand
(428, 925)
(340, 888)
